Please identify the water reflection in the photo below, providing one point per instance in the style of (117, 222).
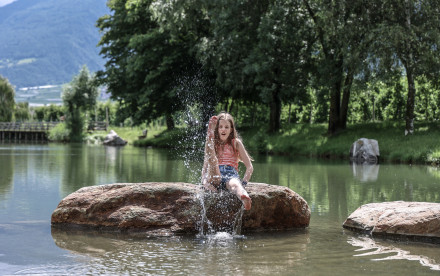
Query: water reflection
(221, 253)
(365, 172)
(337, 180)
(79, 168)
(7, 173)
(385, 252)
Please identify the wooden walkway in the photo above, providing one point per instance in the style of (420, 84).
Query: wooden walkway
(29, 131)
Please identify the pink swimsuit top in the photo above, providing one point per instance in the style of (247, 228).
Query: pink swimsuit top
(228, 156)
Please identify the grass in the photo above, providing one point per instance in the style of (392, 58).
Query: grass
(130, 134)
(311, 140)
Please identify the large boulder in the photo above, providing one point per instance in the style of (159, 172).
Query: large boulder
(412, 220)
(365, 151)
(177, 208)
(113, 139)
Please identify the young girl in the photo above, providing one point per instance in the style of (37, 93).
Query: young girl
(223, 151)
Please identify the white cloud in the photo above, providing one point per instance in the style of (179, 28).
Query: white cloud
(5, 2)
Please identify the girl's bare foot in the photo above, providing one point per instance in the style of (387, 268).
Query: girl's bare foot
(247, 202)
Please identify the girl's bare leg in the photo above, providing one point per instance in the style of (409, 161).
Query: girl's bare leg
(234, 186)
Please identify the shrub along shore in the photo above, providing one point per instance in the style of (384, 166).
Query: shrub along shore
(422, 147)
(310, 140)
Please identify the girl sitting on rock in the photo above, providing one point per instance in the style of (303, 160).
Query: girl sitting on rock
(223, 150)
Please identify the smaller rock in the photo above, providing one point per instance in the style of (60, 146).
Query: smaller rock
(113, 139)
(365, 151)
(413, 220)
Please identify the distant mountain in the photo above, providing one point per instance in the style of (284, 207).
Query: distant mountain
(47, 41)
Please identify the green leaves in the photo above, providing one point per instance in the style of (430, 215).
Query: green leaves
(7, 100)
(79, 96)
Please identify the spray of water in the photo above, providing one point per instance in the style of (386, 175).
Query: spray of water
(197, 101)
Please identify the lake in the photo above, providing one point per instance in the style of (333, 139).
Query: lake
(35, 177)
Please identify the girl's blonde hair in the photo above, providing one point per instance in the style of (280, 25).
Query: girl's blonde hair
(233, 135)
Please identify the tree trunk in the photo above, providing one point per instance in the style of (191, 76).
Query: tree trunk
(275, 111)
(409, 67)
(346, 98)
(409, 116)
(334, 122)
(170, 121)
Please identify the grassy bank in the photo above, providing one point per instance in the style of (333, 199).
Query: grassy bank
(311, 140)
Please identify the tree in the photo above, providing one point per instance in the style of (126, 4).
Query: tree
(50, 113)
(21, 112)
(407, 35)
(257, 52)
(79, 96)
(7, 100)
(341, 29)
(279, 62)
(144, 60)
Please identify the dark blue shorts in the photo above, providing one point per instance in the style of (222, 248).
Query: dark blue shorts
(227, 172)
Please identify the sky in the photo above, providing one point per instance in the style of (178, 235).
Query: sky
(5, 2)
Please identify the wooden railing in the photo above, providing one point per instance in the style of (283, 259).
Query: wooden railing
(97, 125)
(27, 126)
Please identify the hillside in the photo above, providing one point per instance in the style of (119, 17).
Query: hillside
(47, 41)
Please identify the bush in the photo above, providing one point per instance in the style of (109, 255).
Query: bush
(60, 133)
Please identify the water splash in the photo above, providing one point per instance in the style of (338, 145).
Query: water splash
(192, 93)
(197, 102)
(236, 228)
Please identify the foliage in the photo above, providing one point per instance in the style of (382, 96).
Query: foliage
(310, 140)
(49, 113)
(406, 36)
(21, 112)
(59, 133)
(7, 101)
(79, 97)
(272, 62)
(145, 61)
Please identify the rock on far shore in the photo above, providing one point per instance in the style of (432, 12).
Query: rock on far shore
(163, 209)
(113, 139)
(413, 220)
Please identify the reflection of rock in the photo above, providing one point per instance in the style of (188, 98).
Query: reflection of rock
(89, 242)
(171, 208)
(110, 253)
(365, 172)
(367, 244)
(414, 220)
(112, 139)
(365, 151)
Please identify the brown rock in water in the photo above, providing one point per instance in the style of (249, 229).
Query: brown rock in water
(414, 220)
(175, 208)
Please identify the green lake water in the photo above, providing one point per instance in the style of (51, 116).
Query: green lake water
(34, 178)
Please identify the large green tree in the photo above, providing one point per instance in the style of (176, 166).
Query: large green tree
(407, 35)
(7, 100)
(279, 63)
(79, 97)
(257, 51)
(145, 60)
(341, 29)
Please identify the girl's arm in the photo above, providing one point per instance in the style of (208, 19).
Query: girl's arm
(244, 156)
